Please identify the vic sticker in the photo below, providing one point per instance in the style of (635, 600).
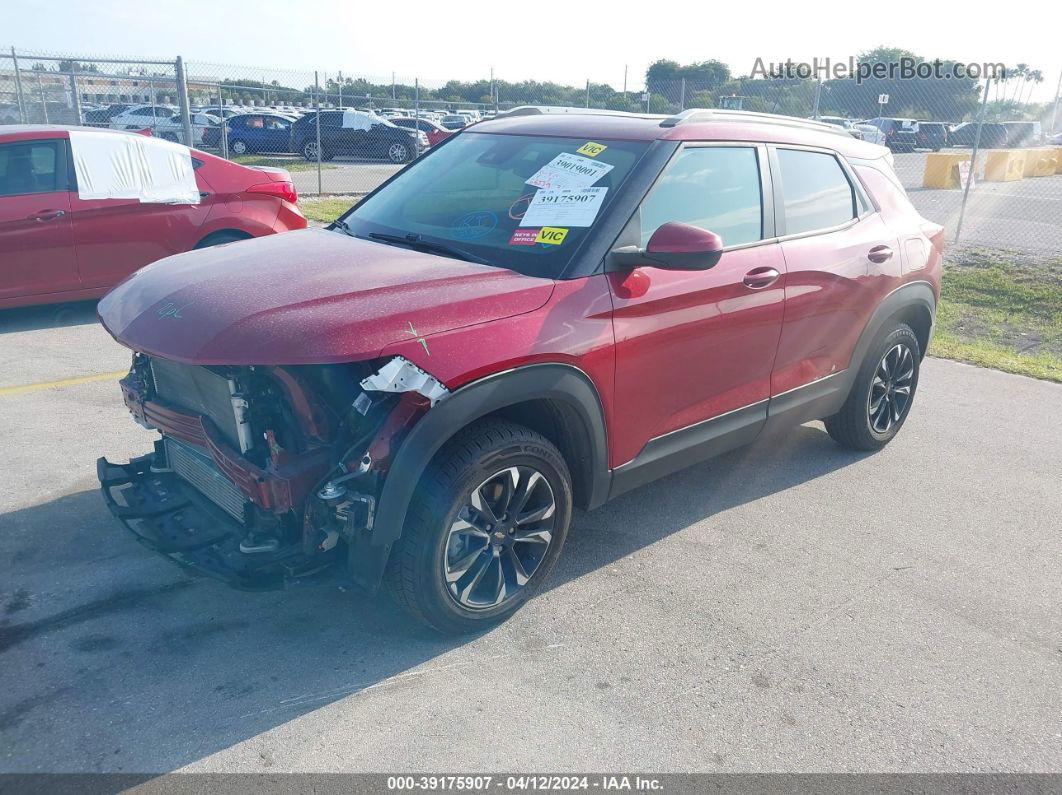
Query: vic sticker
(474, 225)
(590, 149)
(551, 235)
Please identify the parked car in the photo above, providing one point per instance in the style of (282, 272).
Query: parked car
(164, 122)
(901, 135)
(993, 135)
(1055, 140)
(420, 394)
(352, 133)
(840, 121)
(101, 117)
(253, 132)
(58, 246)
(454, 122)
(869, 133)
(433, 133)
(1023, 133)
(932, 135)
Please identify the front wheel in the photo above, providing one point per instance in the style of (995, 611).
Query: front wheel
(882, 393)
(484, 528)
(309, 151)
(238, 147)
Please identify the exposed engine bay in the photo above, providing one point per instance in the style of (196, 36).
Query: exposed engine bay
(265, 476)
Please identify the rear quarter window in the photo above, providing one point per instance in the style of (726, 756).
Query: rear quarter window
(816, 191)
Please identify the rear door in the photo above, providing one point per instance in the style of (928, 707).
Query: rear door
(836, 248)
(115, 237)
(36, 244)
(693, 345)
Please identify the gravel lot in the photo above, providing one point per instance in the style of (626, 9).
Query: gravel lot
(792, 606)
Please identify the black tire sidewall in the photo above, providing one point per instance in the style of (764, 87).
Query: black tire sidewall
(443, 611)
(901, 334)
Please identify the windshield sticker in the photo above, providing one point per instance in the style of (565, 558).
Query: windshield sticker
(590, 149)
(551, 235)
(474, 225)
(567, 208)
(569, 171)
(524, 237)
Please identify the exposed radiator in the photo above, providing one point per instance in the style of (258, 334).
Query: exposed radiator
(199, 470)
(199, 390)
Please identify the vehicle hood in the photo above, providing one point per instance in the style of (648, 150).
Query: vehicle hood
(307, 297)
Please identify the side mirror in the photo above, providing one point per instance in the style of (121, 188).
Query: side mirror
(674, 246)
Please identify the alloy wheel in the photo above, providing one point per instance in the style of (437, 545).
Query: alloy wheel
(499, 538)
(310, 151)
(398, 153)
(239, 147)
(890, 391)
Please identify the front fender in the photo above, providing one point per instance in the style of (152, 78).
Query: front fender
(558, 382)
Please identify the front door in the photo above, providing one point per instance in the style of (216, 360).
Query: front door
(36, 246)
(694, 345)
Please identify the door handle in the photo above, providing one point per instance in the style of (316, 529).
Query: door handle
(47, 215)
(758, 278)
(879, 254)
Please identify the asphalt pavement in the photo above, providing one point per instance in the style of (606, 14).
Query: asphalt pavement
(791, 606)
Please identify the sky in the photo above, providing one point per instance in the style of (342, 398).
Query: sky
(546, 40)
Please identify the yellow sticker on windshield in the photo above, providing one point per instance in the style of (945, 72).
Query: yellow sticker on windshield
(590, 149)
(552, 235)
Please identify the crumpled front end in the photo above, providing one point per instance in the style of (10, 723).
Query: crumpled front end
(265, 476)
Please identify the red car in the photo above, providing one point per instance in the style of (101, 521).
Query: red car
(545, 312)
(436, 134)
(57, 245)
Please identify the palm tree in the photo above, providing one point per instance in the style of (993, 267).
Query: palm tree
(1034, 77)
(1019, 72)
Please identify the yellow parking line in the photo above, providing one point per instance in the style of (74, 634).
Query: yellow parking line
(81, 379)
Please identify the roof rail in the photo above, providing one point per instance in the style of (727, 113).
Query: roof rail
(713, 114)
(534, 110)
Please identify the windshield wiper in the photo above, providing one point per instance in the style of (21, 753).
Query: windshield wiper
(417, 243)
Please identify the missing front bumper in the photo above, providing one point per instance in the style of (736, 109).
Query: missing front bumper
(170, 517)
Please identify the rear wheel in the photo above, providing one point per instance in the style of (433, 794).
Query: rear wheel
(882, 393)
(238, 147)
(309, 151)
(484, 528)
(399, 152)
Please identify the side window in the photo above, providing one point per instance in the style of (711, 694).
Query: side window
(713, 187)
(816, 192)
(31, 167)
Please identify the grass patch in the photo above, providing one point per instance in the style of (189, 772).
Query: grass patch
(996, 311)
(326, 209)
(289, 165)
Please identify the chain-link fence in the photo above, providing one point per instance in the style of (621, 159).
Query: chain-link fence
(343, 134)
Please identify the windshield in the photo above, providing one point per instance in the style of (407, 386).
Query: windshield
(518, 202)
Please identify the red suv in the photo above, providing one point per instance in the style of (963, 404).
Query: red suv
(61, 243)
(542, 313)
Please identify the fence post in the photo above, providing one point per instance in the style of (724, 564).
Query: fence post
(317, 124)
(1054, 113)
(224, 136)
(74, 93)
(818, 97)
(588, 92)
(973, 158)
(182, 101)
(18, 89)
(44, 97)
(682, 95)
(416, 114)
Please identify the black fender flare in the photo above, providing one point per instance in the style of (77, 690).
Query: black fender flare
(918, 293)
(551, 381)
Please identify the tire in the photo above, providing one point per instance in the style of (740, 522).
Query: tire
(218, 238)
(239, 147)
(309, 151)
(435, 571)
(400, 152)
(861, 426)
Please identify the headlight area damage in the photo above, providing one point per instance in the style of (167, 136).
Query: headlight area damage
(266, 477)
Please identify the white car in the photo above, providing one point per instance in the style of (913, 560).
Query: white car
(164, 121)
(871, 134)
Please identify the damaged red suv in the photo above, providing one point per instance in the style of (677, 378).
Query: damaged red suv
(542, 313)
